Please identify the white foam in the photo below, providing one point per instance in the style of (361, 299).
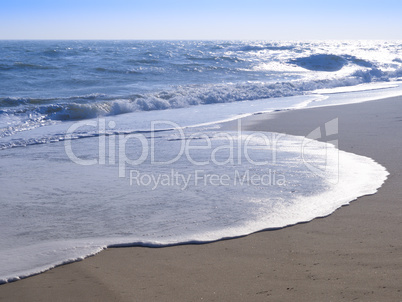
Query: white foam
(63, 211)
(361, 87)
(66, 211)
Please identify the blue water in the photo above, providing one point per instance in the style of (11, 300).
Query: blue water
(64, 80)
(81, 170)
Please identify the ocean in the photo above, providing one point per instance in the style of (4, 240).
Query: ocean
(118, 143)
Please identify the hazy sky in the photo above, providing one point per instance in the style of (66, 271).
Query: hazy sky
(200, 19)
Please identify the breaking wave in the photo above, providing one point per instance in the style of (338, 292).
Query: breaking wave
(328, 62)
(95, 105)
(107, 79)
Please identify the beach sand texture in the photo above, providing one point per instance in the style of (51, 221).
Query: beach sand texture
(355, 254)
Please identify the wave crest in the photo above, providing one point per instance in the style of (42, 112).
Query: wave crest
(328, 62)
(92, 106)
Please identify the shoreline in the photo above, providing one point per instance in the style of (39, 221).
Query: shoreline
(353, 253)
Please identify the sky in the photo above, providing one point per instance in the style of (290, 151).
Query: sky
(201, 19)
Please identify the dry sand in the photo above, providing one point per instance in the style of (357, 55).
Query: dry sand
(355, 254)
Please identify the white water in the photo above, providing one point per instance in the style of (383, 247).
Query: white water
(58, 211)
(54, 210)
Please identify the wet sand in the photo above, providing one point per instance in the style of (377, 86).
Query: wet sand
(355, 254)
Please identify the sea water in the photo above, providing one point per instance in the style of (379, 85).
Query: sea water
(110, 143)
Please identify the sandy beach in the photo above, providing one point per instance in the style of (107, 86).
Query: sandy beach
(355, 254)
